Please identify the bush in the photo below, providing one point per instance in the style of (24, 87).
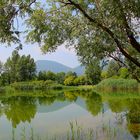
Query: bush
(69, 81)
(81, 80)
(104, 74)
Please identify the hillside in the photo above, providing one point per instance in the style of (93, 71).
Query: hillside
(79, 70)
(47, 65)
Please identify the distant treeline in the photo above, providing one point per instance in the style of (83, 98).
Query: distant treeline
(23, 69)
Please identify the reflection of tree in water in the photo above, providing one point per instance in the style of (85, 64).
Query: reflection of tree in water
(19, 109)
(133, 117)
(117, 105)
(94, 103)
(93, 100)
(70, 96)
(50, 98)
(46, 100)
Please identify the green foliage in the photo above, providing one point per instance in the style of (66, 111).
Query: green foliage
(42, 75)
(5, 79)
(104, 74)
(69, 81)
(96, 28)
(80, 80)
(60, 77)
(94, 103)
(18, 68)
(99, 33)
(70, 73)
(2, 90)
(133, 69)
(93, 72)
(113, 68)
(16, 107)
(123, 73)
(9, 10)
(118, 84)
(27, 68)
(50, 75)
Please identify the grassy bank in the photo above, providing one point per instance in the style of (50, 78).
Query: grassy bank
(118, 84)
(36, 85)
(107, 85)
(46, 85)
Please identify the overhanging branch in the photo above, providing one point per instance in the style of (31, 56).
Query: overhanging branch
(107, 30)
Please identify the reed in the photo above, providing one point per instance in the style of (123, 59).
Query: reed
(118, 84)
(36, 85)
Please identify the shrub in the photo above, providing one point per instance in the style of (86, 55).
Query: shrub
(104, 74)
(69, 81)
(81, 80)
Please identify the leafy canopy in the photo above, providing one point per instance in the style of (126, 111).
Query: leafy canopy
(96, 28)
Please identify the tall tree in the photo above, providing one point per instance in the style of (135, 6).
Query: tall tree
(12, 67)
(50, 76)
(18, 68)
(42, 75)
(27, 68)
(60, 77)
(93, 72)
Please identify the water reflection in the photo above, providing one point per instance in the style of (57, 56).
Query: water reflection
(133, 117)
(18, 109)
(94, 103)
(60, 108)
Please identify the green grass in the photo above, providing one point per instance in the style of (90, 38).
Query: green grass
(118, 84)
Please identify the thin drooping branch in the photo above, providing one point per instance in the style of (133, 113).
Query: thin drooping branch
(118, 60)
(107, 30)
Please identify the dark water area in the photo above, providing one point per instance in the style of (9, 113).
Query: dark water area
(58, 115)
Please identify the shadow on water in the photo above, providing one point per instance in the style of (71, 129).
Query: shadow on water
(113, 117)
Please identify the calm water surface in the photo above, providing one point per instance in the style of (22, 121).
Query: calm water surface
(55, 114)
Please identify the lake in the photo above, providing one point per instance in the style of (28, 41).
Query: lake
(70, 115)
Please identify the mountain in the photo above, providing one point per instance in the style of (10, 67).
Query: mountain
(79, 70)
(47, 65)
